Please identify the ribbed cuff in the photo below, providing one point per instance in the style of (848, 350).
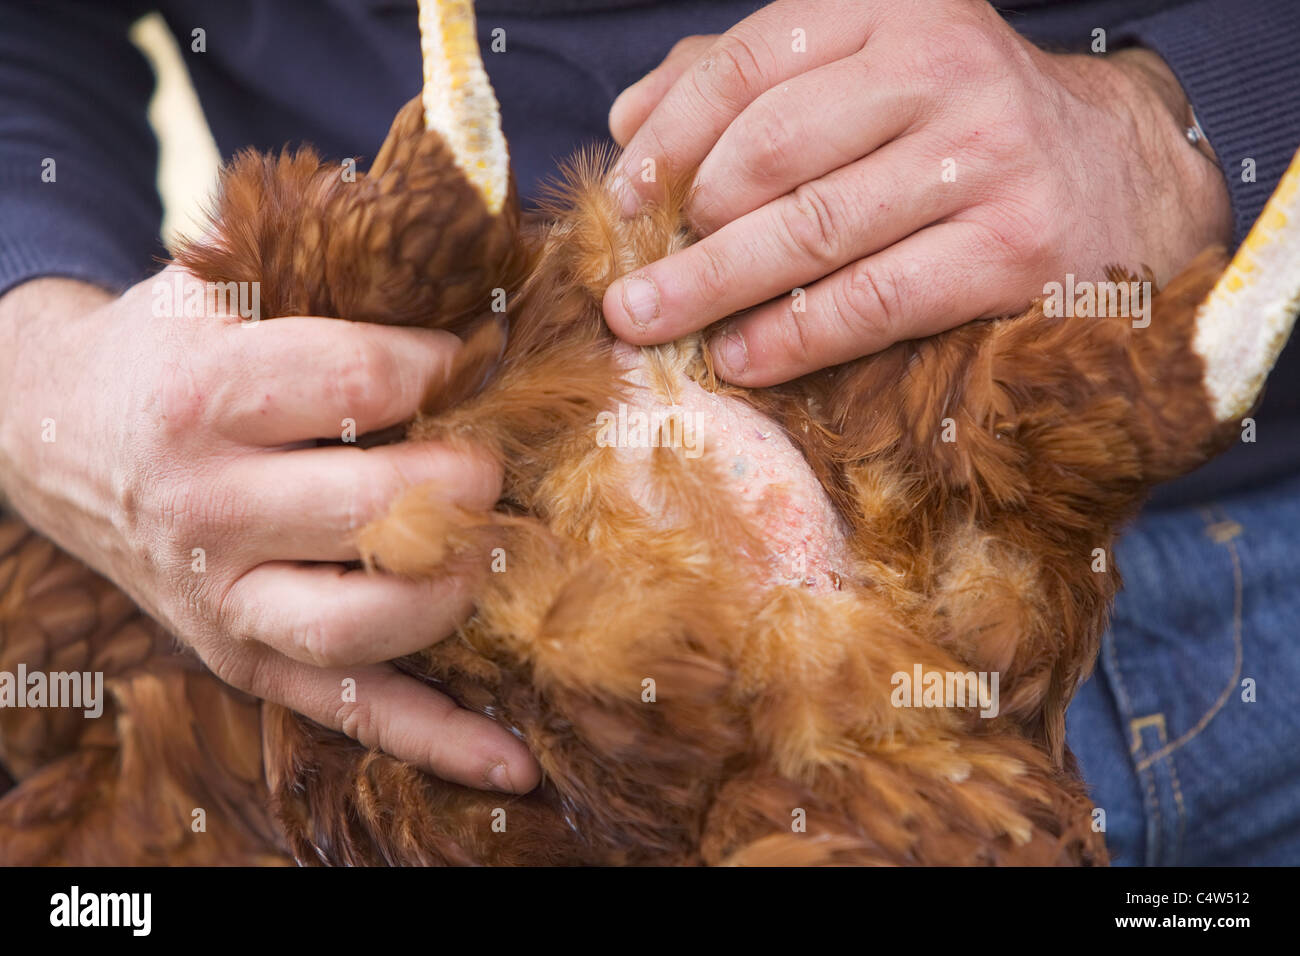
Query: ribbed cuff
(1236, 61)
(72, 227)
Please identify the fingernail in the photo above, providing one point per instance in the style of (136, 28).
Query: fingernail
(640, 300)
(499, 777)
(629, 201)
(732, 352)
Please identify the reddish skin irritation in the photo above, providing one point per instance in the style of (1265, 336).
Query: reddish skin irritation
(803, 536)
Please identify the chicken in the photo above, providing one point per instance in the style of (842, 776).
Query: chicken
(709, 604)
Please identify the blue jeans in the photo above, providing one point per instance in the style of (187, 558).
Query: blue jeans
(1189, 769)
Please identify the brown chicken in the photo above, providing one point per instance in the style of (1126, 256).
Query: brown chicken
(706, 602)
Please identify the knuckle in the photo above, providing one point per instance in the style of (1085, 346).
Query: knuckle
(238, 665)
(317, 640)
(357, 720)
(180, 508)
(225, 613)
(1016, 234)
(959, 50)
(728, 71)
(812, 226)
(656, 149)
(870, 305)
(370, 497)
(478, 480)
(955, 55)
(237, 656)
(1014, 136)
(794, 337)
(768, 142)
(133, 493)
(712, 277)
(181, 397)
(191, 510)
(364, 379)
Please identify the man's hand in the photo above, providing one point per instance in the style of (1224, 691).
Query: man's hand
(171, 453)
(909, 166)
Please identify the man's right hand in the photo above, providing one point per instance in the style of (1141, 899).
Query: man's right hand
(133, 440)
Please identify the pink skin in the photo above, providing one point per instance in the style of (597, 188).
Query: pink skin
(910, 165)
(772, 483)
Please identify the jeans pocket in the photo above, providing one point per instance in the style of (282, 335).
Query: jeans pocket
(1173, 659)
(1191, 728)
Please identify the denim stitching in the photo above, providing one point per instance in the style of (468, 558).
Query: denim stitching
(1182, 812)
(1147, 775)
(1237, 588)
(1111, 668)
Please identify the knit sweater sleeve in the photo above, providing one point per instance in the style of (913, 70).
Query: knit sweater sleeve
(77, 157)
(1236, 61)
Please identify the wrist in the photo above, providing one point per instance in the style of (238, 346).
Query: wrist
(1171, 198)
(1150, 75)
(1149, 92)
(37, 319)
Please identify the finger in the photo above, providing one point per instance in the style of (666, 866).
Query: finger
(792, 241)
(292, 379)
(747, 60)
(799, 131)
(402, 717)
(634, 104)
(928, 283)
(328, 617)
(308, 504)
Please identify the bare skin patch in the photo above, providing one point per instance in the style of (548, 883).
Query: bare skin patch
(771, 484)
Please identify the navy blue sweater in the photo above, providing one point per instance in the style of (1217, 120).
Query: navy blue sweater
(333, 72)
